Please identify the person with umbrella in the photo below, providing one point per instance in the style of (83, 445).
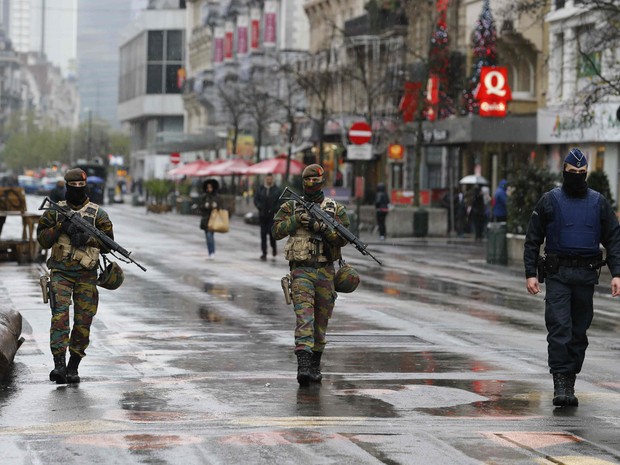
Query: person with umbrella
(267, 201)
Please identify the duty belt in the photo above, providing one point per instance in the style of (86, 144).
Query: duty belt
(582, 262)
(310, 263)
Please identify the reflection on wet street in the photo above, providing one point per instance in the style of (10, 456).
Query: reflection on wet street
(437, 355)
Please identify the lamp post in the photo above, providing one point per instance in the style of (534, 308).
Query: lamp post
(89, 154)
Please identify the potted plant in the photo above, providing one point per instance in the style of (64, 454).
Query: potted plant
(157, 192)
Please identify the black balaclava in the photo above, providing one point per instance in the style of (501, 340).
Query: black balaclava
(313, 190)
(575, 183)
(76, 195)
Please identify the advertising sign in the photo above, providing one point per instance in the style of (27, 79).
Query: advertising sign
(229, 37)
(218, 53)
(242, 35)
(493, 93)
(254, 29)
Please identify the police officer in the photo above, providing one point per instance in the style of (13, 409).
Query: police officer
(311, 250)
(73, 275)
(574, 220)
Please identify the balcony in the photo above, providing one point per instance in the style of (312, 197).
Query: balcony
(375, 22)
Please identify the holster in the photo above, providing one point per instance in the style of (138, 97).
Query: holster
(286, 288)
(540, 269)
(46, 289)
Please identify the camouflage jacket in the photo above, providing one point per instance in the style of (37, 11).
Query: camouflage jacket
(49, 231)
(285, 224)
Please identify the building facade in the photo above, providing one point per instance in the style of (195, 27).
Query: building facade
(573, 116)
(150, 106)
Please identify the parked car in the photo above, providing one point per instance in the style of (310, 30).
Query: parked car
(30, 184)
(47, 183)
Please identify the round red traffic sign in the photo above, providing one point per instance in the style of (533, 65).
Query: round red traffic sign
(360, 133)
(175, 158)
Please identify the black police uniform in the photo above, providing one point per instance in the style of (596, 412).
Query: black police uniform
(573, 262)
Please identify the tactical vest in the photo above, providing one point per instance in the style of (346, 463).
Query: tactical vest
(576, 225)
(305, 246)
(87, 256)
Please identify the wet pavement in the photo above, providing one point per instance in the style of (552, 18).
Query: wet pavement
(438, 358)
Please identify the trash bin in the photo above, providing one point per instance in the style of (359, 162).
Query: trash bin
(420, 223)
(184, 205)
(111, 194)
(497, 249)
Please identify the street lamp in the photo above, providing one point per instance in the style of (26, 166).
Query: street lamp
(89, 154)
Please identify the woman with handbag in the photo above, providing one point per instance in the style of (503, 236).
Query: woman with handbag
(209, 201)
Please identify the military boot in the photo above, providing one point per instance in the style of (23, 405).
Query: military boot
(59, 373)
(315, 367)
(570, 391)
(304, 363)
(561, 389)
(72, 369)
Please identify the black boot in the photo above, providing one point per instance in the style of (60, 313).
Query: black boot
(304, 362)
(72, 369)
(561, 389)
(59, 373)
(570, 391)
(315, 367)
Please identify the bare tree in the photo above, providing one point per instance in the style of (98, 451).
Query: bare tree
(231, 94)
(259, 107)
(596, 26)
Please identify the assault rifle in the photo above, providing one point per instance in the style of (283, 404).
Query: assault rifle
(76, 219)
(321, 215)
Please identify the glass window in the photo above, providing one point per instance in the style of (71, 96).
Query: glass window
(172, 79)
(174, 46)
(154, 79)
(156, 46)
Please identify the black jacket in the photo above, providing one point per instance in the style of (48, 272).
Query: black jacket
(543, 214)
(267, 201)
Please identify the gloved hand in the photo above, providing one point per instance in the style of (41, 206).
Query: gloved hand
(66, 226)
(299, 211)
(311, 224)
(79, 239)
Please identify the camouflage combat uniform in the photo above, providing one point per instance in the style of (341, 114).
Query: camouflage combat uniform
(312, 274)
(70, 278)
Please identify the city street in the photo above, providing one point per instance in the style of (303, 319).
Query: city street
(437, 358)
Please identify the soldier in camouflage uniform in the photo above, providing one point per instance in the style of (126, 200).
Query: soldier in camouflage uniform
(73, 273)
(311, 251)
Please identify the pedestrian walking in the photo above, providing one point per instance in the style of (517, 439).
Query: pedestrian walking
(573, 220)
(477, 213)
(500, 201)
(207, 202)
(58, 192)
(311, 250)
(73, 275)
(382, 207)
(267, 201)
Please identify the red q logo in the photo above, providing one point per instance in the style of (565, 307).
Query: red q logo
(493, 93)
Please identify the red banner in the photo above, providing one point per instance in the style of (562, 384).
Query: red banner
(242, 35)
(270, 19)
(218, 53)
(254, 29)
(229, 35)
(409, 102)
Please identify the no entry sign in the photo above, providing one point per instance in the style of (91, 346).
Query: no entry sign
(360, 133)
(175, 158)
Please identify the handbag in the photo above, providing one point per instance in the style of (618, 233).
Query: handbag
(218, 221)
(204, 223)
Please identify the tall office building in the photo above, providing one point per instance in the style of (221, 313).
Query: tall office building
(98, 40)
(25, 25)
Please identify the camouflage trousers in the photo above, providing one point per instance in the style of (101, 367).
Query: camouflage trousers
(313, 299)
(82, 286)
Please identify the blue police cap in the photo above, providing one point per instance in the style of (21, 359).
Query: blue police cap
(576, 158)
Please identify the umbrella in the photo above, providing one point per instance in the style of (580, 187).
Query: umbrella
(275, 166)
(189, 169)
(225, 168)
(474, 179)
(95, 180)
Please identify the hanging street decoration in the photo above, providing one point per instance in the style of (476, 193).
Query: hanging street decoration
(484, 39)
(439, 105)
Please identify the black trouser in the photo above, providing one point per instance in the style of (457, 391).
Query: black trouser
(265, 230)
(381, 222)
(568, 314)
